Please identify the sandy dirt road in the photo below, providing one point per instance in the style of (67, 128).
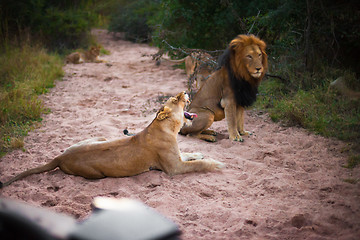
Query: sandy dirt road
(280, 183)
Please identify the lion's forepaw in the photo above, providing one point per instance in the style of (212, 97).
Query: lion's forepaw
(236, 138)
(245, 133)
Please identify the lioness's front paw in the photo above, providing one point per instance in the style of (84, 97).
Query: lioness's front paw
(216, 165)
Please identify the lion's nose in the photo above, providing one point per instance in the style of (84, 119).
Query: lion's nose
(258, 69)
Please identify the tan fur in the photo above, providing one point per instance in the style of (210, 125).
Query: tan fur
(88, 56)
(216, 100)
(154, 148)
(196, 63)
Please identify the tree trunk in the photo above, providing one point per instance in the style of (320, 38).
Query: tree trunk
(308, 64)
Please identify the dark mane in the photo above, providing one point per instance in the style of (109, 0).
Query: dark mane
(244, 92)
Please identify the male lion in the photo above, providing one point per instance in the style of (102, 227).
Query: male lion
(230, 89)
(153, 148)
(197, 64)
(88, 56)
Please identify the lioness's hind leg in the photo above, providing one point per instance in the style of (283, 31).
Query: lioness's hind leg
(78, 169)
(90, 141)
(200, 124)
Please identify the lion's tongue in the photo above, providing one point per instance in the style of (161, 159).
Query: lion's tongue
(190, 116)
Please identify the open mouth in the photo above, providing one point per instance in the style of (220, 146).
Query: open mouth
(189, 116)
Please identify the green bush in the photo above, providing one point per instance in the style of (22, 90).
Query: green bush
(318, 110)
(57, 24)
(131, 17)
(25, 73)
(66, 28)
(197, 24)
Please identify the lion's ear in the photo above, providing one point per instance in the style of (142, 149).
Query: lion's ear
(163, 113)
(175, 100)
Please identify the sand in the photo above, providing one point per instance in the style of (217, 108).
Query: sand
(280, 183)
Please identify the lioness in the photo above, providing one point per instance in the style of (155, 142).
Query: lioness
(230, 89)
(197, 64)
(153, 148)
(339, 85)
(88, 56)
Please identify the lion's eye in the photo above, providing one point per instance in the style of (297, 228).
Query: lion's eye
(249, 56)
(260, 54)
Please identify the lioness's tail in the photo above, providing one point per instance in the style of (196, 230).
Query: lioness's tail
(47, 167)
(175, 61)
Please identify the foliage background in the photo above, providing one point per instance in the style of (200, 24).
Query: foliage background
(57, 24)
